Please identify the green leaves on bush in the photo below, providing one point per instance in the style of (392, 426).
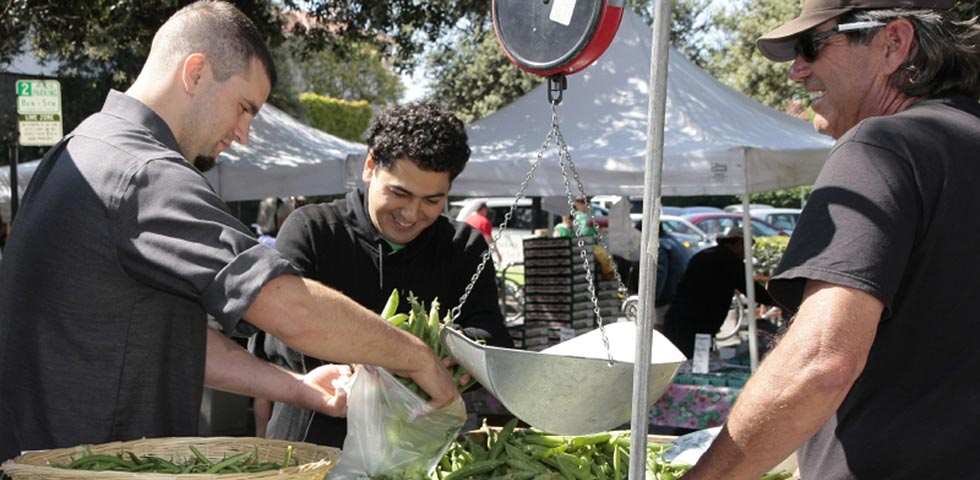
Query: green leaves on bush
(345, 119)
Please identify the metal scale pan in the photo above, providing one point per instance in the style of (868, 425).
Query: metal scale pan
(570, 388)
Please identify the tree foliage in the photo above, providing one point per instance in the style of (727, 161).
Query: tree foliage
(399, 28)
(473, 77)
(355, 72)
(345, 119)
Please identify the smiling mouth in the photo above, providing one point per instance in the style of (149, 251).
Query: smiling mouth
(403, 224)
(814, 96)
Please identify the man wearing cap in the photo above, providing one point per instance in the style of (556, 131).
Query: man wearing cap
(876, 376)
(704, 293)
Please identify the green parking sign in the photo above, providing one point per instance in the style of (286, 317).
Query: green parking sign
(39, 112)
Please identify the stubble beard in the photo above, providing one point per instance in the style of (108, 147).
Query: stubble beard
(204, 163)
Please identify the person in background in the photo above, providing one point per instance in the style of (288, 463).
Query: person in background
(389, 235)
(582, 220)
(478, 220)
(704, 293)
(881, 271)
(672, 260)
(121, 248)
(564, 229)
(272, 212)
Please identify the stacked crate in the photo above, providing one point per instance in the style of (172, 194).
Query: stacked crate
(557, 301)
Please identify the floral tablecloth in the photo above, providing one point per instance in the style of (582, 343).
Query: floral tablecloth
(683, 406)
(693, 406)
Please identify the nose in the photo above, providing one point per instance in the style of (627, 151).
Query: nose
(800, 69)
(410, 211)
(242, 129)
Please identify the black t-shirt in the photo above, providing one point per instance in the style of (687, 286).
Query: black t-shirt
(894, 214)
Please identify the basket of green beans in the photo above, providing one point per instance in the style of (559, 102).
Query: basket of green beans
(227, 458)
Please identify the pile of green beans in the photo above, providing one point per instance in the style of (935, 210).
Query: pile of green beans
(530, 454)
(425, 326)
(246, 462)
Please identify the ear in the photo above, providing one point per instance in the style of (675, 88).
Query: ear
(369, 167)
(193, 71)
(898, 37)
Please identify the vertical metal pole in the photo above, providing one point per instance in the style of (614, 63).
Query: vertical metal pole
(749, 271)
(659, 51)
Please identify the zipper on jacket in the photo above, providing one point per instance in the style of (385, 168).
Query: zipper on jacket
(381, 268)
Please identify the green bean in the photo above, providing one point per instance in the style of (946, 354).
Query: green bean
(197, 453)
(103, 462)
(391, 306)
(228, 461)
(398, 320)
(289, 456)
(498, 445)
(476, 468)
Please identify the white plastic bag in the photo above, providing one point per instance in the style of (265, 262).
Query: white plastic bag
(392, 432)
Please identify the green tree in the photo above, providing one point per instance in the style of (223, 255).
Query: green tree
(355, 72)
(740, 65)
(400, 29)
(473, 77)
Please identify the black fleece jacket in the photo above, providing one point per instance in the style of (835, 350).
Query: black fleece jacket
(337, 245)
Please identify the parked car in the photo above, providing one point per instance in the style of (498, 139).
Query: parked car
(715, 223)
(784, 219)
(690, 236)
(510, 244)
(497, 208)
(700, 209)
(737, 208)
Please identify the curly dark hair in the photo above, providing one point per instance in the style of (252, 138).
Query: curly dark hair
(423, 132)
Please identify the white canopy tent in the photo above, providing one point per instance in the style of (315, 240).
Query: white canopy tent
(716, 141)
(283, 157)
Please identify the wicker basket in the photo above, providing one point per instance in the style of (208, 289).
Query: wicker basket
(314, 461)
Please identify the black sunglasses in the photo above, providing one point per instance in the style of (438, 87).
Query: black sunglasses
(808, 46)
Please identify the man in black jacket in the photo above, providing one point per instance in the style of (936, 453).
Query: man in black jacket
(389, 236)
(705, 291)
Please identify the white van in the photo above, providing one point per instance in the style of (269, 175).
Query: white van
(511, 242)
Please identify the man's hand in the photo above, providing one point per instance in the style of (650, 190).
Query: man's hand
(464, 379)
(321, 390)
(433, 377)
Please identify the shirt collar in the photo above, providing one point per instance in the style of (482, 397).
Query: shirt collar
(128, 108)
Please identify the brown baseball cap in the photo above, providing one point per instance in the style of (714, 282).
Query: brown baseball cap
(777, 45)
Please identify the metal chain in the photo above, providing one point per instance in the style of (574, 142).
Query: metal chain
(565, 157)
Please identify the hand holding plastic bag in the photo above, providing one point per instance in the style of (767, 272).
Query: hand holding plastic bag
(392, 432)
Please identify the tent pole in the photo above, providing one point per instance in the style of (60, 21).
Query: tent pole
(649, 244)
(749, 270)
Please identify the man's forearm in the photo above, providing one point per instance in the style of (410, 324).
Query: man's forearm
(231, 368)
(800, 385)
(322, 323)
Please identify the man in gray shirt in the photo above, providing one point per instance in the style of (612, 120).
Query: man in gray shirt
(122, 249)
